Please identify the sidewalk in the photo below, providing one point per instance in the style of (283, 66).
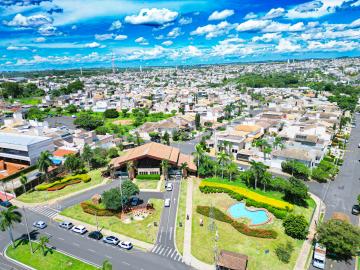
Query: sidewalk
(302, 260)
(187, 257)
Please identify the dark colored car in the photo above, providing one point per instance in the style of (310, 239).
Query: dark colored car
(95, 235)
(355, 209)
(6, 204)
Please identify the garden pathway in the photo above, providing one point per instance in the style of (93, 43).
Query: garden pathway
(188, 258)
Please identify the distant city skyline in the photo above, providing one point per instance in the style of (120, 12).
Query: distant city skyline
(65, 34)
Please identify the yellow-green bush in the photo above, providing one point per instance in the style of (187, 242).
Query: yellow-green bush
(83, 177)
(248, 194)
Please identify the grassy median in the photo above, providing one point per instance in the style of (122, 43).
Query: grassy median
(53, 260)
(42, 196)
(143, 230)
(181, 216)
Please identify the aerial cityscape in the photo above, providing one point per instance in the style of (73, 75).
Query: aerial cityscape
(180, 134)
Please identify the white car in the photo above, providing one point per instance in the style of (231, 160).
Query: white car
(66, 225)
(126, 245)
(169, 187)
(241, 169)
(167, 202)
(79, 229)
(40, 224)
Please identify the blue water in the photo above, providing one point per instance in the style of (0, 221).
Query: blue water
(56, 161)
(256, 217)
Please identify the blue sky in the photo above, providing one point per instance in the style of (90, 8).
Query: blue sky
(47, 34)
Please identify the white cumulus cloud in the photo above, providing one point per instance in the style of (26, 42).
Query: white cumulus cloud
(286, 45)
(92, 45)
(274, 13)
(152, 16)
(167, 43)
(174, 33)
(252, 25)
(121, 37)
(115, 25)
(32, 21)
(213, 30)
(104, 36)
(221, 15)
(185, 20)
(17, 48)
(142, 41)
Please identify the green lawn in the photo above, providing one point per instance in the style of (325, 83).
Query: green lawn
(181, 216)
(29, 101)
(230, 239)
(143, 230)
(42, 196)
(52, 261)
(147, 184)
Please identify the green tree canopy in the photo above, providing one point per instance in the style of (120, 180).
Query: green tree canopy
(296, 226)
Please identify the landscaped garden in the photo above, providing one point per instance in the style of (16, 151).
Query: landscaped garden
(147, 181)
(260, 243)
(46, 259)
(115, 212)
(62, 187)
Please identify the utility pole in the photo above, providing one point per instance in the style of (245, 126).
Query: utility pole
(27, 229)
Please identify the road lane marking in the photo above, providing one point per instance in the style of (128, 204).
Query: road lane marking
(91, 250)
(107, 256)
(161, 251)
(169, 252)
(125, 263)
(76, 244)
(62, 239)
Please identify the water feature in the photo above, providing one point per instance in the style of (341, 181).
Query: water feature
(256, 217)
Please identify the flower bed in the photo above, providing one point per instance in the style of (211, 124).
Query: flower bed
(239, 193)
(61, 186)
(79, 177)
(93, 209)
(240, 227)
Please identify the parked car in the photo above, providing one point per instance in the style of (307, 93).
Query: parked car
(169, 187)
(111, 240)
(126, 245)
(355, 209)
(97, 235)
(6, 204)
(40, 224)
(167, 202)
(80, 229)
(66, 225)
(135, 201)
(319, 256)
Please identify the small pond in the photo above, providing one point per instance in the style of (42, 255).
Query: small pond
(256, 217)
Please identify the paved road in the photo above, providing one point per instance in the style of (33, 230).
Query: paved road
(340, 195)
(94, 251)
(165, 245)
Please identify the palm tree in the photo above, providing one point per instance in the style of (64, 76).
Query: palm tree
(267, 150)
(278, 142)
(258, 169)
(199, 154)
(183, 168)
(222, 158)
(106, 265)
(232, 169)
(87, 154)
(43, 241)
(262, 144)
(44, 162)
(165, 166)
(23, 181)
(131, 169)
(7, 219)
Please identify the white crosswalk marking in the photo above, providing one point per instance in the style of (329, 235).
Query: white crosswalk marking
(167, 252)
(45, 210)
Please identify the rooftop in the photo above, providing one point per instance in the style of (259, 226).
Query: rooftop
(20, 139)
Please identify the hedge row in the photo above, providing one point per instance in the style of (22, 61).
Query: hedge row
(240, 193)
(148, 177)
(93, 209)
(240, 227)
(81, 177)
(61, 186)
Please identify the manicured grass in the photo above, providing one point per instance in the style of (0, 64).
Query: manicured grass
(29, 101)
(147, 184)
(143, 230)
(230, 239)
(42, 196)
(52, 261)
(181, 216)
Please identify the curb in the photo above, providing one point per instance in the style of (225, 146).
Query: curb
(58, 250)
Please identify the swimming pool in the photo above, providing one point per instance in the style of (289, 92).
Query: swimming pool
(256, 217)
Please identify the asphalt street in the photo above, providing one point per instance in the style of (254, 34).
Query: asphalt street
(164, 245)
(90, 250)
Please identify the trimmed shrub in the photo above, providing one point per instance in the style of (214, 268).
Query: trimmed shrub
(81, 177)
(240, 192)
(283, 252)
(61, 186)
(298, 169)
(148, 177)
(296, 226)
(240, 227)
(93, 209)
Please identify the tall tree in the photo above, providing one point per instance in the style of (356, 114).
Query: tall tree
(23, 181)
(278, 142)
(199, 154)
(232, 169)
(258, 169)
(43, 241)
(44, 162)
(184, 168)
(8, 217)
(165, 167)
(87, 154)
(223, 159)
(197, 121)
(166, 138)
